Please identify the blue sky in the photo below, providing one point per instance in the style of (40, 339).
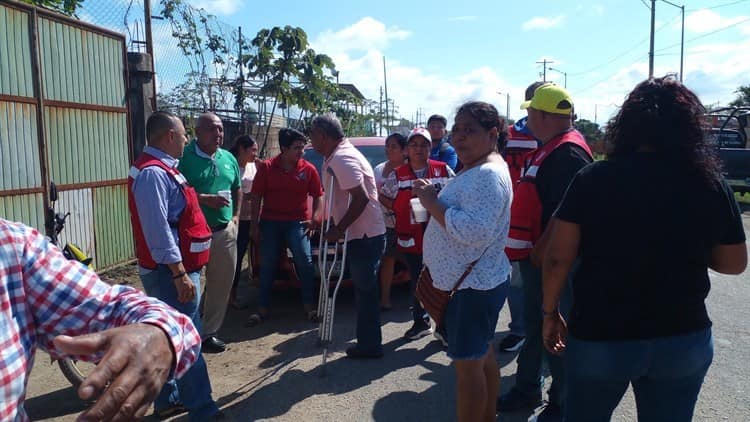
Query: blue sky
(442, 53)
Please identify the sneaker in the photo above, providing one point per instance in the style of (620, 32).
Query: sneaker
(511, 343)
(418, 330)
(440, 336)
(551, 413)
(515, 400)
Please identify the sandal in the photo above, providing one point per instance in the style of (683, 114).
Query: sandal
(254, 319)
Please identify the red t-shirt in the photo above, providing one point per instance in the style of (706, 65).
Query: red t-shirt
(285, 192)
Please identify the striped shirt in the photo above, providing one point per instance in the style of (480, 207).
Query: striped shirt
(43, 295)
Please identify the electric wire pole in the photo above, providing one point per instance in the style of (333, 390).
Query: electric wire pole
(544, 67)
(651, 51)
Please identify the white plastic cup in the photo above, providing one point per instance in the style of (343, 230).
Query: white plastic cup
(418, 211)
(226, 194)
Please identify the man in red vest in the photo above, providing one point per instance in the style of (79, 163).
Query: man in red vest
(172, 243)
(547, 172)
(520, 143)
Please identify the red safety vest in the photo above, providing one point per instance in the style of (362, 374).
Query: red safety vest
(518, 147)
(526, 209)
(192, 230)
(408, 232)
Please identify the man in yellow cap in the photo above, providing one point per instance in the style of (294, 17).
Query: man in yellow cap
(547, 172)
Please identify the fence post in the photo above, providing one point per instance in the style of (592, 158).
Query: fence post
(140, 93)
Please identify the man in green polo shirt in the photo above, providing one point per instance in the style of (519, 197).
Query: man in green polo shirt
(215, 175)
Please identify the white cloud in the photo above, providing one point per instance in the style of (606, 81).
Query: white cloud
(364, 35)
(541, 22)
(703, 21)
(713, 71)
(358, 52)
(218, 7)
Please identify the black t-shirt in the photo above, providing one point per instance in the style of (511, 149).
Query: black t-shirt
(555, 174)
(647, 231)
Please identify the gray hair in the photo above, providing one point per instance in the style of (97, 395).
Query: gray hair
(329, 124)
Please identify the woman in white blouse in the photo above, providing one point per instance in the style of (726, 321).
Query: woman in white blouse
(245, 149)
(470, 221)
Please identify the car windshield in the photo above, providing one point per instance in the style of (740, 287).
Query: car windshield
(375, 155)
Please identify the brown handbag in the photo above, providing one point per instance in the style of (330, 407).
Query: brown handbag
(433, 300)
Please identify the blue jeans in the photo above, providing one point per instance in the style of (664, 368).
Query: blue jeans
(418, 314)
(193, 390)
(515, 302)
(666, 373)
(274, 234)
(532, 354)
(364, 260)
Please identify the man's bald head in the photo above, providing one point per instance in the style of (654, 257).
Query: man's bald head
(209, 132)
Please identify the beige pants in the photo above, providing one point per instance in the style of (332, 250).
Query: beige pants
(219, 277)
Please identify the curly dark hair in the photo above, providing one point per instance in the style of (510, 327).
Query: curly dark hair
(663, 116)
(488, 117)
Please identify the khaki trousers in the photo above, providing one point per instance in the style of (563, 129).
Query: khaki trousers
(219, 277)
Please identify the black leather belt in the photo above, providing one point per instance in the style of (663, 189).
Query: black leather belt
(219, 228)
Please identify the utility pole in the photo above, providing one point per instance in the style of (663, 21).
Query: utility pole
(507, 103)
(385, 84)
(651, 51)
(380, 113)
(241, 93)
(682, 35)
(682, 41)
(565, 76)
(544, 67)
(150, 46)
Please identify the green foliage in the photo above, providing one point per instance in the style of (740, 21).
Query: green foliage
(590, 130)
(743, 97)
(66, 7)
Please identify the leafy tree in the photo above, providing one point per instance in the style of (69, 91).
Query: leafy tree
(66, 7)
(204, 46)
(291, 73)
(590, 130)
(743, 97)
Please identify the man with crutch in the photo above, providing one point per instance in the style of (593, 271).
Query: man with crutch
(356, 213)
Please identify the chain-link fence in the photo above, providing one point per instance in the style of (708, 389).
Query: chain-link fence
(195, 54)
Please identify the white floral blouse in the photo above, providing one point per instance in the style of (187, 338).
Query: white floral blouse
(477, 219)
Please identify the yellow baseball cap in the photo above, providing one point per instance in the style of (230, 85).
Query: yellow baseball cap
(550, 98)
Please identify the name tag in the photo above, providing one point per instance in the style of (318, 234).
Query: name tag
(196, 247)
(408, 243)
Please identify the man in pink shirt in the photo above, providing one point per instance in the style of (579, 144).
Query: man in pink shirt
(362, 218)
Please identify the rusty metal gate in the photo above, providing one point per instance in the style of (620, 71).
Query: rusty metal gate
(64, 118)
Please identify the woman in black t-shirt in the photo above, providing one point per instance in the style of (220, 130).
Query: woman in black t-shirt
(646, 224)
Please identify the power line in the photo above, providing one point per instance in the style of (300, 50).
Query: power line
(706, 34)
(628, 51)
(646, 4)
(602, 80)
(716, 7)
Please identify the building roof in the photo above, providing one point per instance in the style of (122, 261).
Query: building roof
(353, 90)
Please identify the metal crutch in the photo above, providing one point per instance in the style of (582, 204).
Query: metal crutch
(327, 299)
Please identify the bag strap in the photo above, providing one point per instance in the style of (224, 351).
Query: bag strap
(467, 272)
